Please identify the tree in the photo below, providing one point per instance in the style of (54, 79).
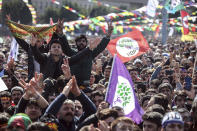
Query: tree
(99, 11)
(61, 13)
(17, 10)
(67, 15)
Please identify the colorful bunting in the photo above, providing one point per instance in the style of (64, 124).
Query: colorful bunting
(70, 9)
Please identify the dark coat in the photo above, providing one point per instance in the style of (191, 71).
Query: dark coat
(52, 69)
(88, 107)
(82, 69)
(25, 46)
(43, 49)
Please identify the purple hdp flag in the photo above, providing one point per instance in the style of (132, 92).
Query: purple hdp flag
(121, 92)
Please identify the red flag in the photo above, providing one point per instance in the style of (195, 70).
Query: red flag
(129, 46)
(184, 16)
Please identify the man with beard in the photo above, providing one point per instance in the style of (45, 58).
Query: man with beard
(82, 69)
(64, 108)
(50, 64)
(16, 94)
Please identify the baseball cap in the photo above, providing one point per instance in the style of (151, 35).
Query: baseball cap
(172, 117)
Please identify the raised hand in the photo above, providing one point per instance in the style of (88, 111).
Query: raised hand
(38, 82)
(67, 88)
(8, 17)
(34, 39)
(59, 27)
(94, 43)
(103, 126)
(11, 66)
(110, 29)
(75, 89)
(66, 69)
(29, 90)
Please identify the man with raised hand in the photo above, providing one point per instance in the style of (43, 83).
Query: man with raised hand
(64, 108)
(82, 69)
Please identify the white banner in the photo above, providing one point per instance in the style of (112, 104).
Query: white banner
(151, 7)
(13, 50)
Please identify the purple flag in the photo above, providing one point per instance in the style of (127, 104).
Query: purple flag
(121, 92)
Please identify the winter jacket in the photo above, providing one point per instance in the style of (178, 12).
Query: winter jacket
(52, 69)
(88, 107)
(82, 69)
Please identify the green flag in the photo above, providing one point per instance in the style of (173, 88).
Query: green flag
(172, 6)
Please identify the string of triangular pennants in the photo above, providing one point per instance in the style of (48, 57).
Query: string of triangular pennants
(106, 5)
(96, 22)
(69, 8)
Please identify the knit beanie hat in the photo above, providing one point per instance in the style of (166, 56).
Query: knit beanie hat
(20, 120)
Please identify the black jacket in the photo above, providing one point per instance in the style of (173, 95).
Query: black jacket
(88, 107)
(52, 69)
(93, 119)
(25, 46)
(82, 69)
(43, 49)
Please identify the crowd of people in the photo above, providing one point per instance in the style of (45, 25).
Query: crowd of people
(56, 87)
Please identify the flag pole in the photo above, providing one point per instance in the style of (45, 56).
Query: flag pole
(110, 76)
(164, 23)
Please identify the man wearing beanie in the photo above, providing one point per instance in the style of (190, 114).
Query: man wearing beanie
(16, 94)
(172, 121)
(18, 122)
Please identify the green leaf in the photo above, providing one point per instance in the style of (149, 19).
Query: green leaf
(128, 89)
(120, 86)
(121, 94)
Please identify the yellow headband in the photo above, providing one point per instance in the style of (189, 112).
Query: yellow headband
(5, 98)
